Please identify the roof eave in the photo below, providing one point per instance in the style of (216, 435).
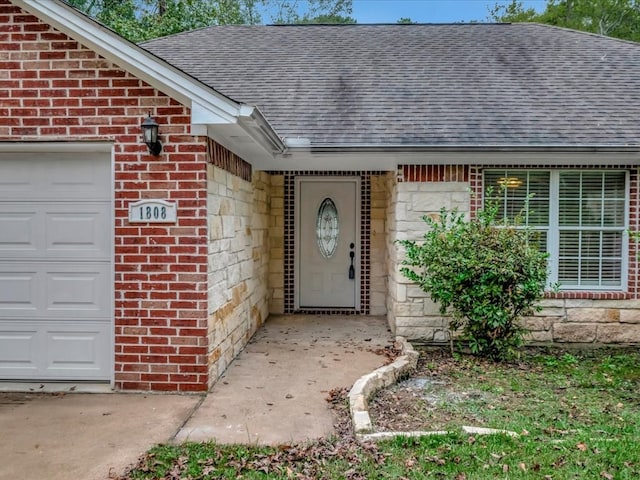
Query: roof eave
(334, 148)
(208, 107)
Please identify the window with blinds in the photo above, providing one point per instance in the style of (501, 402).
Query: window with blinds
(578, 216)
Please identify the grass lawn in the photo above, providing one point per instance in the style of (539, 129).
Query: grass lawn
(577, 414)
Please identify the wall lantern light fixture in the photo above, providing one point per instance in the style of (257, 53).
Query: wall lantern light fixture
(150, 135)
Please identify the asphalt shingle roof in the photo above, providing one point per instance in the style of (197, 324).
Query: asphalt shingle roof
(432, 85)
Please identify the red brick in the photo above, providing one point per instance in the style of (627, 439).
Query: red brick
(155, 377)
(183, 378)
(163, 387)
(135, 367)
(154, 340)
(163, 331)
(137, 386)
(162, 349)
(188, 359)
(153, 358)
(194, 387)
(192, 350)
(135, 349)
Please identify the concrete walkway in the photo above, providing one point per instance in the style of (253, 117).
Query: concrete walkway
(274, 392)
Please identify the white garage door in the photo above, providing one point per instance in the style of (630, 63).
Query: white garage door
(55, 266)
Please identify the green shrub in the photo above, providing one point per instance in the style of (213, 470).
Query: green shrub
(484, 272)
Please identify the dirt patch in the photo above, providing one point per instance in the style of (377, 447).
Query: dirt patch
(417, 402)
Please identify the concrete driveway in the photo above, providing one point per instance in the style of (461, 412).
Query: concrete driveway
(273, 393)
(83, 436)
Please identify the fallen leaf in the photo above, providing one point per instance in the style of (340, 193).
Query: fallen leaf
(522, 466)
(410, 462)
(582, 447)
(606, 475)
(505, 468)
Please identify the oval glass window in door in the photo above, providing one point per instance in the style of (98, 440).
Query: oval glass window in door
(327, 228)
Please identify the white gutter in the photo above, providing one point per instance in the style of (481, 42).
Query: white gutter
(333, 148)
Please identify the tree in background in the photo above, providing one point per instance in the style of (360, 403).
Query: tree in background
(310, 11)
(613, 18)
(139, 20)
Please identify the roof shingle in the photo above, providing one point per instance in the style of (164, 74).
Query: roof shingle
(427, 85)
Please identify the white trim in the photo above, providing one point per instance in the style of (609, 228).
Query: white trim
(553, 237)
(358, 241)
(51, 387)
(112, 293)
(55, 147)
(388, 160)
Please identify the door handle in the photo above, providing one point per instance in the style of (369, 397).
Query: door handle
(352, 270)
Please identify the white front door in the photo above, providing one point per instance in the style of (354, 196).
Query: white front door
(56, 272)
(328, 243)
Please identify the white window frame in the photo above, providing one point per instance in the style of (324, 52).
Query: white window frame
(553, 235)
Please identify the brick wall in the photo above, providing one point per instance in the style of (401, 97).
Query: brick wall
(52, 88)
(276, 245)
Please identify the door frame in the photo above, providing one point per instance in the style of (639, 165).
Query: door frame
(356, 180)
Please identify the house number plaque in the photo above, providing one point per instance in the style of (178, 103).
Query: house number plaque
(152, 211)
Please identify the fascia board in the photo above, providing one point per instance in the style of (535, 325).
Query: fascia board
(129, 56)
(389, 159)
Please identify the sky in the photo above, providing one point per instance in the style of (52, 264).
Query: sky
(429, 11)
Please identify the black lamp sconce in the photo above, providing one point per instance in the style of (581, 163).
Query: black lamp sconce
(150, 135)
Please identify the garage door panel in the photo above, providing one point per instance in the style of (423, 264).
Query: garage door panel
(78, 287)
(17, 179)
(59, 290)
(55, 231)
(55, 176)
(80, 230)
(55, 349)
(18, 229)
(18, 347)
(18, 290)
(87, 181)
(77, 352)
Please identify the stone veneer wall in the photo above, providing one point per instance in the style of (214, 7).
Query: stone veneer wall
(238, 216)
(567, 320)
(410, 312)
(378, 280)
